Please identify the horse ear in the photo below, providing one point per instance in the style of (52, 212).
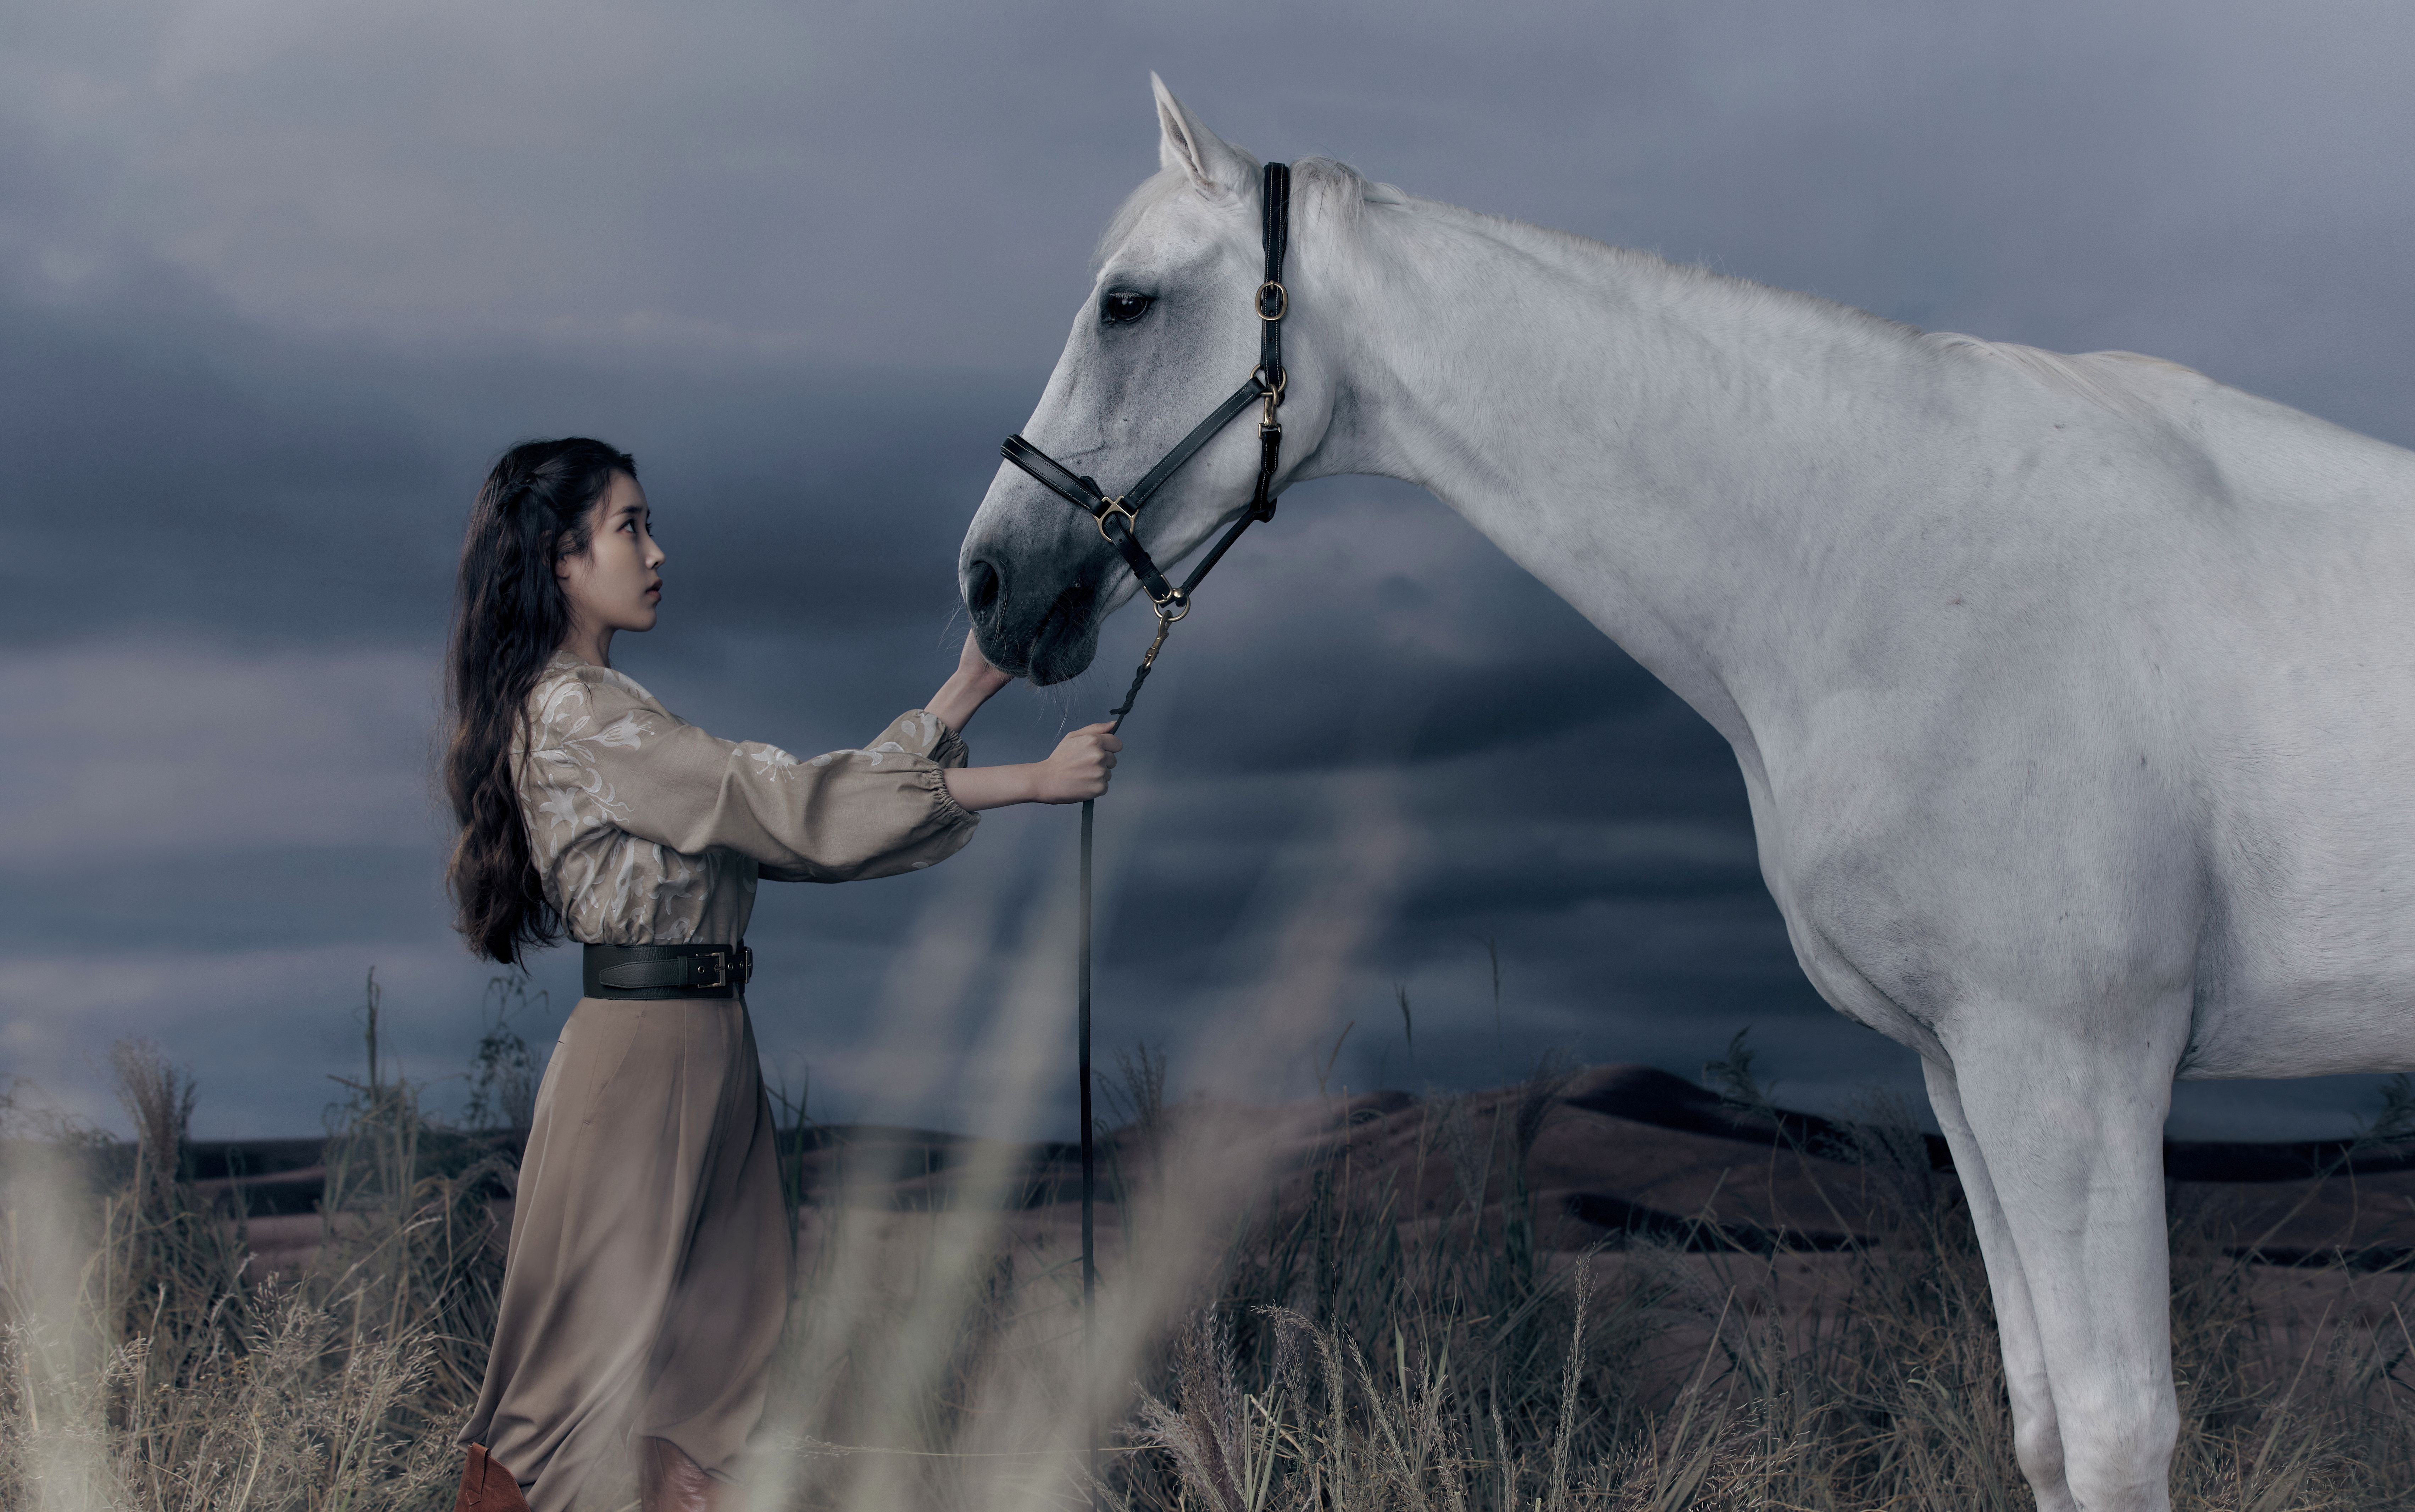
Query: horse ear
(1185, 143)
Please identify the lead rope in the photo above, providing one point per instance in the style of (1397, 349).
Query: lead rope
(1272, 304)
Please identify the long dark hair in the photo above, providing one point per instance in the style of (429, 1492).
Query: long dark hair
(509, 617)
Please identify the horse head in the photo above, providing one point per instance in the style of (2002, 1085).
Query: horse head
(1170, 326)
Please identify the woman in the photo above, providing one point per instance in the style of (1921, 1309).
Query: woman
(650, 1258)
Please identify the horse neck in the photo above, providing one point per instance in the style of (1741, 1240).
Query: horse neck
(1692, 462)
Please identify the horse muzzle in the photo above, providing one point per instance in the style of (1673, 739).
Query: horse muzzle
(1024, 629)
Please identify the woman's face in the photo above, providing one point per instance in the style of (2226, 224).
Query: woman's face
(617, 582)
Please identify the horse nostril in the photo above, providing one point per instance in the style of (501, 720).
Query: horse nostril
(981, 585)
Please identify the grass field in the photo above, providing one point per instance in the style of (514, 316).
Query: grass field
(1266, 1339)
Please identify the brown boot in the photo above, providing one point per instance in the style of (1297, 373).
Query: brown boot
(486, 1486)
(670, 1481)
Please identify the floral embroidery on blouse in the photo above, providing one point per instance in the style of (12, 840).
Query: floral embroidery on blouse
(648, 831)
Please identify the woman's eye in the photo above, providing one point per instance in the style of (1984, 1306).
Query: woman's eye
(1121, 307)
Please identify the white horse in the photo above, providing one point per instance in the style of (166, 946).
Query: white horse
(2074, 696)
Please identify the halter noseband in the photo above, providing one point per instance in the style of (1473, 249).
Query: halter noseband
(1117, 515)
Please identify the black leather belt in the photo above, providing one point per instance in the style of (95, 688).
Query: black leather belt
(654, 972)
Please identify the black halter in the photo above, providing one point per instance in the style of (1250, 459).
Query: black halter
(1117, 515)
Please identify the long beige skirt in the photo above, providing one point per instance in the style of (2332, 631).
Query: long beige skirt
(651, 1254)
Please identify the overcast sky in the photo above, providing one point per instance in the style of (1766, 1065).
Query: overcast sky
(277, 280)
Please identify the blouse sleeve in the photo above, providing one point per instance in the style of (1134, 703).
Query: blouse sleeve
(849, 815)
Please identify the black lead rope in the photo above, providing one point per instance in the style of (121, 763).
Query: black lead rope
(1117, 519)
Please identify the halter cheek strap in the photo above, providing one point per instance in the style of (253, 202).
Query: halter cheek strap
(1117, 515)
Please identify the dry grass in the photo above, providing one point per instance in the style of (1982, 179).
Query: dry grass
(1457, 1374)
(144, 1366)
(1320, 1353)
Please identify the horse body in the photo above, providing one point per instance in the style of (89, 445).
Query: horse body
(2303, 736)
(2071, 694)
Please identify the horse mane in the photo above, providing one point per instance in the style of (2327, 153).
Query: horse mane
(2111, 379)
(1339, 196)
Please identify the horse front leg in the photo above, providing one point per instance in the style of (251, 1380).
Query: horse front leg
(2037, 1438)
(2064, 1115)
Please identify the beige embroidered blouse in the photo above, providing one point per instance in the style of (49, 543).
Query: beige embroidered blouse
(649, 831)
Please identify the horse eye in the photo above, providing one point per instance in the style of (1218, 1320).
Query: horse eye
(1121, 307)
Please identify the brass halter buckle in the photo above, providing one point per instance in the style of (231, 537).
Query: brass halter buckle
(1116, 506)
(1282, 304)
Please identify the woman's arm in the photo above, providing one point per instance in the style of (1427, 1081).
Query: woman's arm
(1076, 771)
(961, 696)
(611, 755)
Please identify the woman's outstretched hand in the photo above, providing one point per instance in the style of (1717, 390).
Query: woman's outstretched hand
(974, 681)
(1077, 770)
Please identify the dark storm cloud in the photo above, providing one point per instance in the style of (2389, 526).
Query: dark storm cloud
(918, 187)
(266, 489)
(275, 285)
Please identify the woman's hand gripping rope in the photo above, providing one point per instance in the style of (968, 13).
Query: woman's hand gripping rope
(1077, 771)
(1080, 768)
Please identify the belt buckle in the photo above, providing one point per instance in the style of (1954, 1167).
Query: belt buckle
(723, 963)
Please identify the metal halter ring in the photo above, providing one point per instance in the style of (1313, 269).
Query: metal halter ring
(1176, 597)
(1116, 506)
(1282, 301)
